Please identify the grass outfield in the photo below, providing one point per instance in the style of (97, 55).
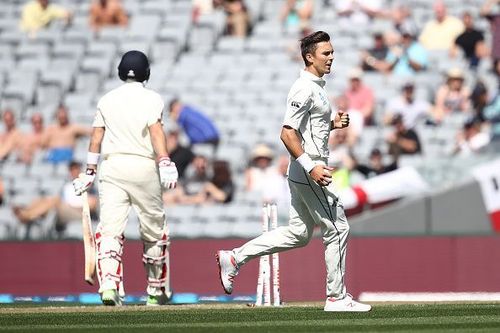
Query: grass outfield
(300, 317)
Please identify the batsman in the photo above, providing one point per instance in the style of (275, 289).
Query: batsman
(314, 200)
(129, 141)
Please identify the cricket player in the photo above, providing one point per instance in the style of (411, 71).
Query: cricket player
(128, 133)
(314, 201)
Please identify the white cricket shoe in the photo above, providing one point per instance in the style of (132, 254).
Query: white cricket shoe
(346, 304)
(228, 269)
(111, 298)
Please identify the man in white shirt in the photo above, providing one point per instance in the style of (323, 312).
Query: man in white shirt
(314, 201)
(410, 108)
(128, 132)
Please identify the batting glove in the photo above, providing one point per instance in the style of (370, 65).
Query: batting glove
(168, 173)
(83, 183)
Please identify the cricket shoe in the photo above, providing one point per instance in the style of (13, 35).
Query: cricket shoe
(228, 269)
(162, 299)
(346, 304)
(110, 297)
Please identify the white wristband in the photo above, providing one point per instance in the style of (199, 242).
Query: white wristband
(306, 162)
(93, 158)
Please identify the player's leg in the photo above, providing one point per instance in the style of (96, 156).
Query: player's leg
(114, 210)
(147, 201)
(298, 233)
(329, 214)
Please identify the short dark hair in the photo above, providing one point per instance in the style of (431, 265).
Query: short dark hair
(309, 43)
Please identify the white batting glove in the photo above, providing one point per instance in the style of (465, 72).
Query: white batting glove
(84, 181)
(168, 173)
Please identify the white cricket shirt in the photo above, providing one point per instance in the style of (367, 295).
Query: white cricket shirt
(126, 114)
(308, 111)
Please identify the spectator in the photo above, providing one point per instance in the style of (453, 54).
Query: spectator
(219, 189)
(180, 155)
(378, 52)
(297, 14)
(2, 191)
(402, 20)
(360, 96)
(32, 142)
(60, 139)
(107, 13)
(471, 42)
(197, 174)
(403, 141)
(479, 100)
(203, 7)
(68, 206)
(356, 120)
(441, 33)
(453, 96)
(404, 59)
(339, 147)
(491, 113)
(260, 170)
(471, 139)
(357, 12)
(11, 139)
(197, 126)
(39, 14)
(410, 108)
(376, 166)
(278, 190)
(237, 18)
(494, 18)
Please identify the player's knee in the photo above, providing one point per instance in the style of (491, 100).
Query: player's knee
(301, 236)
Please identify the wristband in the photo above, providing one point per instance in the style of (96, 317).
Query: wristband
(164, 158)
(93, 158)
(306, 162)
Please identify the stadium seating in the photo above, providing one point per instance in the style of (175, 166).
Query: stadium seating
(241, 83)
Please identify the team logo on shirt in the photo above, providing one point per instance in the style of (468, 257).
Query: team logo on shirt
(324, 99)
(295, 104)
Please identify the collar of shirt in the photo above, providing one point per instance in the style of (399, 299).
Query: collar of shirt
(310, 76)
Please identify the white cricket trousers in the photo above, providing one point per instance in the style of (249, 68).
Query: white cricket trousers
(311, 205)
(125, 181)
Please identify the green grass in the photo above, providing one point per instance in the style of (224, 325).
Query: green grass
(479, 317)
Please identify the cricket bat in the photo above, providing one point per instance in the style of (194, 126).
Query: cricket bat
(88, 241)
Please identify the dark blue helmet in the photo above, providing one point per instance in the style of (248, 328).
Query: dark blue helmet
(134, 65)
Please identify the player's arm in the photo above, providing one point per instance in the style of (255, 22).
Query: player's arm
(158, 139)
(95, 147)
(167, 168)
(84, 182)
(320, 173)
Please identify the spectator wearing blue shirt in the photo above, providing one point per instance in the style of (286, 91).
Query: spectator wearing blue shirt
(196, 125)
(405, 59)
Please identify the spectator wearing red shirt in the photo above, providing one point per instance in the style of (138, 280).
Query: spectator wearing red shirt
(360, 96)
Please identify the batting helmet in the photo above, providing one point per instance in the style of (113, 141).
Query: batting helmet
(134, 65)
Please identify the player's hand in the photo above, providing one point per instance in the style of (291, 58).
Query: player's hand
(341, 120)
(168, 173)
(84, 181)
(322, 174)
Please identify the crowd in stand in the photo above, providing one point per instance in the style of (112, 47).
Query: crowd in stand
(402, 50)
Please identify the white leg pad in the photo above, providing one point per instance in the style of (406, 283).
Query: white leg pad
(109, 262)
(156, 263)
